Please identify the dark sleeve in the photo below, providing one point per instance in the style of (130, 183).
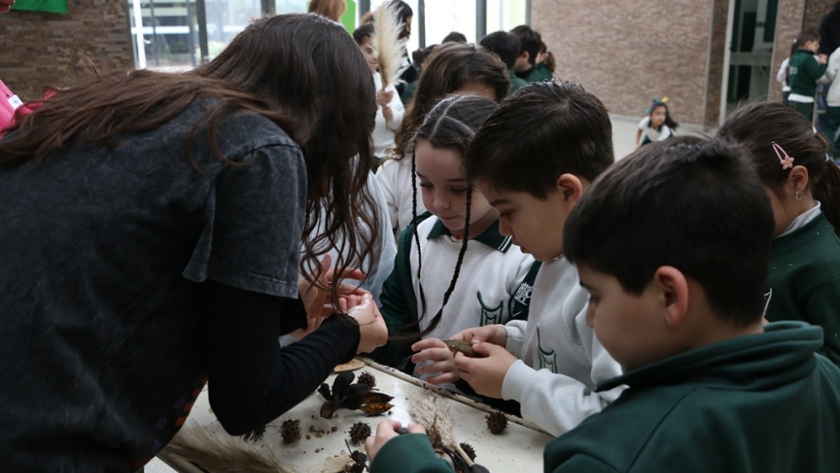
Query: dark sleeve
(814, 69)
(409, 453)
(252, 380)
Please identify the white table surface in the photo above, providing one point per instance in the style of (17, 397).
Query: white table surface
(519, 448)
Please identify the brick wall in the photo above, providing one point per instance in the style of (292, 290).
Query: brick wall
(717, 54)
(41, 49)
(814, 11)
(788, 25)
(629, 52)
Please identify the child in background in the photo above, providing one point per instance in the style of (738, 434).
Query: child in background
(461, 235)
(804, 188)
(390, 109)
(507, 47)
(453, 68)
(419, 57)
(657, 125)
(552, 362)
(526, 66)
(673, 244)
(782, 75)
(830, 120)
(804, 69)
(546, 58)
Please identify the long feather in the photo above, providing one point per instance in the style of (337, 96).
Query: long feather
(386, 40)
(224, 453)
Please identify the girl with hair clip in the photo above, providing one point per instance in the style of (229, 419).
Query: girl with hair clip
(803, 185)
(657, 125)
(453, 68)
(152, 243)
(460, 235)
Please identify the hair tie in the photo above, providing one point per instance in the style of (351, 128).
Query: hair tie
(784, 158)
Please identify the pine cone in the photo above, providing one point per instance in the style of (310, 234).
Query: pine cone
(367, 378)
(290, 430)
(496, 422)
(469, 450)
(359, 432)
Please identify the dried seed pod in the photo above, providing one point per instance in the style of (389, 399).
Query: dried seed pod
(359, 432)
(469, 450)
(466, 348)
(290, 430)
(374, 397)
(367, 378)
(496, 422)
(254, 436)
(376, 408)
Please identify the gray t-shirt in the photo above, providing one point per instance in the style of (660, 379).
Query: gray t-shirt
(101, 248)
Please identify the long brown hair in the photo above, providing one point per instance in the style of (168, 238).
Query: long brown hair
(450, 67)
(758, 125)
(276, 68)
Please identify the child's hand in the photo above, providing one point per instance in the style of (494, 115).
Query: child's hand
(432, 349)
(385, 431)
(495, 334)
(823, 59)
(485, 375)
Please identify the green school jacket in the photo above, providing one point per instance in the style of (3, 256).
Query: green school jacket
(760, 403)
(537, 73)
(803, 72)
(804, 281)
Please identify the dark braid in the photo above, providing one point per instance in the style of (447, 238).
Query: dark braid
(439, 316)
(414, 224)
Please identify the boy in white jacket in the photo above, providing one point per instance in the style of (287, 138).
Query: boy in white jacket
(532, 159)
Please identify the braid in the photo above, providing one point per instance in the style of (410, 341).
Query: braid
(416, 235)
(437, 318)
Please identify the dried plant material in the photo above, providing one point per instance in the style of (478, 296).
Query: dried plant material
(469, 450)
(376, 408)
(222, 453)
(351, 365)
(290, 430)
(496, 422)
(367, 378)
(346, 395)
(457, 346)
(255, 435)
(386, 40)
(359, 432)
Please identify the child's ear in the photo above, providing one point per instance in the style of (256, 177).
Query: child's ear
(672, 290)
(798, 178)
(571, 187)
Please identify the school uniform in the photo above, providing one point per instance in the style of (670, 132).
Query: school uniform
(831, 118)
(560, 359)
(485, 293)
(536, 73)
(758, 403)
(803, 72)
(804, 278)
(516, 83)
(781, 77)
(384, 130)
(651, 134)
(394, 176)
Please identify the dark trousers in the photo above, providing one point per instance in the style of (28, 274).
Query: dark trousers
(806, 109)
(831, 122)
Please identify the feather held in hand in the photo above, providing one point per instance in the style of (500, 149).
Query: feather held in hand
(386, 40)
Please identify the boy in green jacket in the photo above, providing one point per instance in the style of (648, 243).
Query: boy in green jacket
(804, 68)
(673, 245)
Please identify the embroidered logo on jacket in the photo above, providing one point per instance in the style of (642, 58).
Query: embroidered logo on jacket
(490, 315)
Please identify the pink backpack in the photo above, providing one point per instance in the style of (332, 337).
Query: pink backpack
(9, 102)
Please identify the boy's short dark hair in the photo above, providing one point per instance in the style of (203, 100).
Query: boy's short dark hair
(531, 41)
(690, 203)
(505, 45)
(544, 130)
(362, 33)
(454, 37)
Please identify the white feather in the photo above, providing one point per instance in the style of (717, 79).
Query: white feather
(386, 40)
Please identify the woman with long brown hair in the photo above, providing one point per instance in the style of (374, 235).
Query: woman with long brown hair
(332, 9)
(151, 241)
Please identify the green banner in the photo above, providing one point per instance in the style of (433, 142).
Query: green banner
(348, 19)
(52, 6)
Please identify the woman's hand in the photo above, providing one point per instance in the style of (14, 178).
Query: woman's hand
(318, 302)
(372, 328)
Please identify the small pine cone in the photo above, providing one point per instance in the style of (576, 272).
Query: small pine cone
(496, 422)
(367, 378)
(469, 450)
(359, 432)
(290, 430)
